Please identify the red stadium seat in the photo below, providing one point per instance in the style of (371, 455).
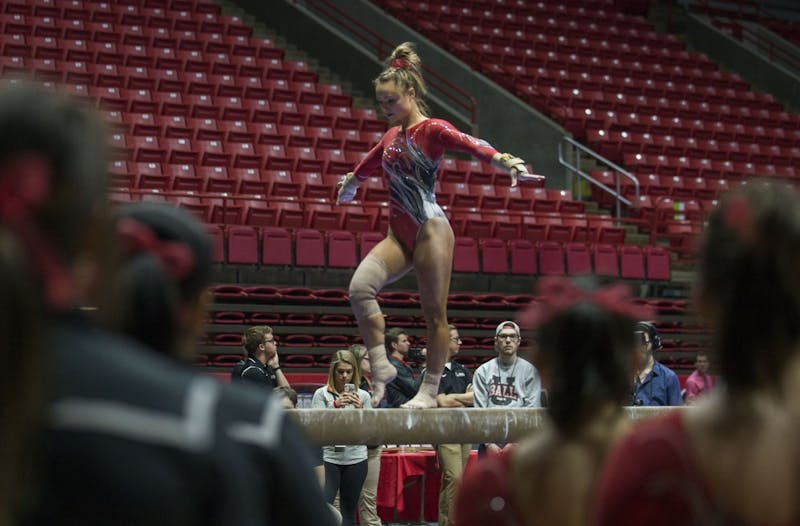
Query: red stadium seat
(494, 256)
(309, 248)
(523, 257)
(276, 246)
(658, 263)
(579, 261)
(217, 235)
(465, 255)
(341, 249)
(606, 261)
(259, 213)
(631, 262)
(551, 258)
(242, 245)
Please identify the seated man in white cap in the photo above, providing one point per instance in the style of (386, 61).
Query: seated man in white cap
(508, 380)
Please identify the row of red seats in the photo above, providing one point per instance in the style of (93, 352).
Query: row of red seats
(510, 11)
(244, 110)
(338, 320)
(666, 98)
(45, 7)
(148, 93)
(607, 127)
(589, 71)
(719, 127)
(104, 40)
(494, 27)
(290, 135)
(788, 30)
(653, 185)
(309, 178)
(299, 362)
(342, 249)
(615, 142)
(290, 320)
(669, 166)
(268, 295)
(336, 162)
(103, 20)
(555, 220)
(276, 157)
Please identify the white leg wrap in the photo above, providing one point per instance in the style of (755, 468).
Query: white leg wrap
(369, 278)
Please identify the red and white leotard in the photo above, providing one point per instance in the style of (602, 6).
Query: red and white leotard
(411, 159)
(650, 478)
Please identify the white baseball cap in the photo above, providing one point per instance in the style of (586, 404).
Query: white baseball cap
(506, 325)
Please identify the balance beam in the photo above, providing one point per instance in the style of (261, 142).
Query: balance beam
(430, 426)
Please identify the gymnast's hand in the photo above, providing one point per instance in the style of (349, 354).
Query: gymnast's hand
(515, 168)
(346, 188)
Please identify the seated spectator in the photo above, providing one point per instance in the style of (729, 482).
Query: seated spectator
(506, 381)
(654, 384)
(700, 383)
(345, 466)
(586, 347)
(404, 386)
(262, 366)
(734, 458)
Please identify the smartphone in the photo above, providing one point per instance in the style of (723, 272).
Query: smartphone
(349, 388)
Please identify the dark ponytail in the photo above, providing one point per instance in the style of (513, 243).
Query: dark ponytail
(52, 184)
(22, 374)
(749, 280)
(587, 351)
(164, 272)
(149, 311)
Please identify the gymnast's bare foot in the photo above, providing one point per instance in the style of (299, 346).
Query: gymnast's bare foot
(383, 372)
(421, 401)
(426, 396)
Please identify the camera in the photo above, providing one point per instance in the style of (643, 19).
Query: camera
(416, 355)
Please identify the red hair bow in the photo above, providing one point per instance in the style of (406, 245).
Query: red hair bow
(25, 181)
(557, 295)
(399, 63)
(176, 258)
(739, 217)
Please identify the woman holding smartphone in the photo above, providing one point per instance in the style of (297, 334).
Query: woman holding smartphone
(345, 466)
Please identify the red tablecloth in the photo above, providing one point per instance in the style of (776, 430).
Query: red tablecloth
(401, 494)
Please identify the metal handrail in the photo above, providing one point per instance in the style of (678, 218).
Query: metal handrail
(705, 7)
(576, 170)
(773, 49)
(382, 47)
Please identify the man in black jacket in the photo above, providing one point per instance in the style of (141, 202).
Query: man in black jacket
(403, 387)
(455, 390)
(261, 365)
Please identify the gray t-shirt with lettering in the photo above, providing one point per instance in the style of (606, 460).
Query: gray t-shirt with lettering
(499, 385)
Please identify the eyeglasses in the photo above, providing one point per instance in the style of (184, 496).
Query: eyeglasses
(512, 337)
(455, 340)
(273, 341)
